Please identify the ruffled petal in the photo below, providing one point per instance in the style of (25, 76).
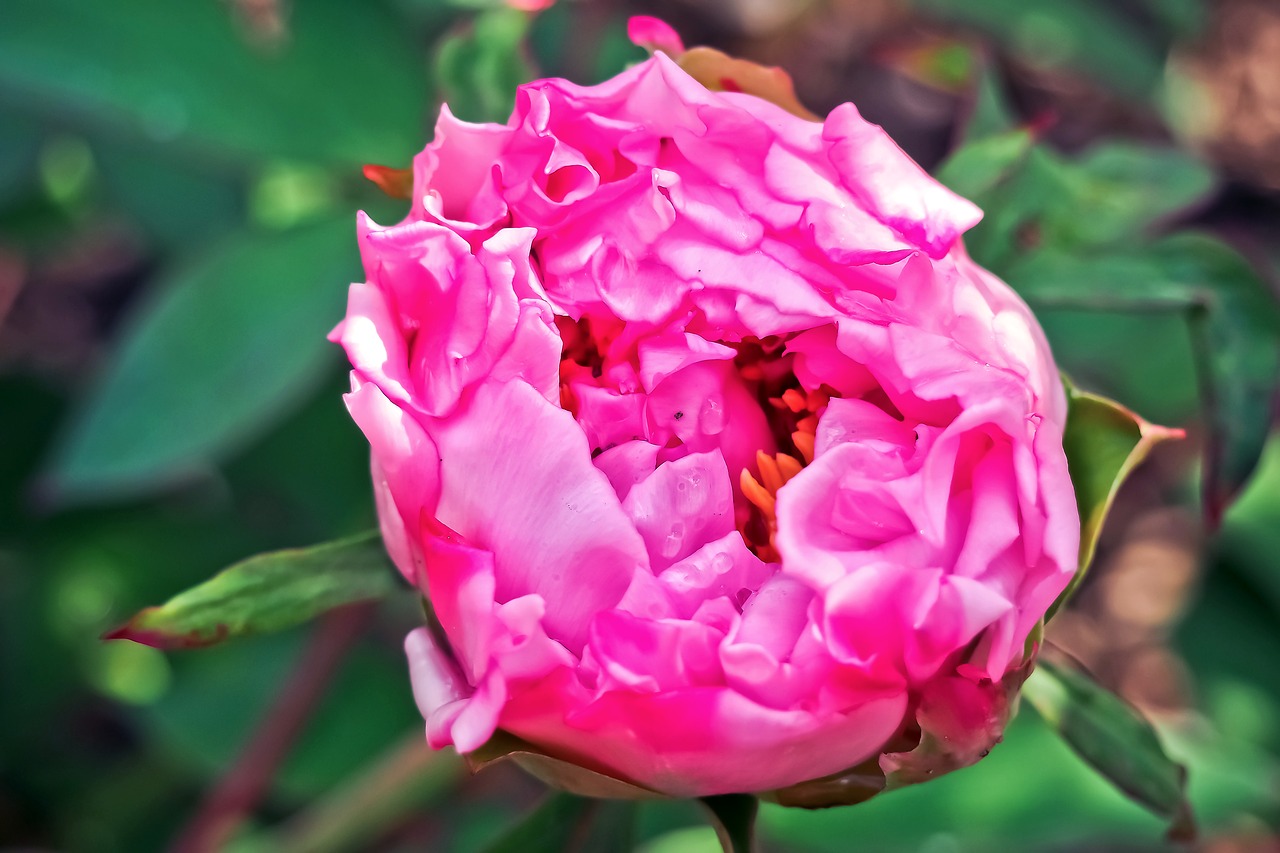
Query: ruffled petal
(517, 480)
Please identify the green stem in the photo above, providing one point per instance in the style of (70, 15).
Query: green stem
(237, 793)
(397, 785)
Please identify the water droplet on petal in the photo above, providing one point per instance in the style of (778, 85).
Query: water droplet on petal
(711, 418)
(674, 541)
(721, 563)
(691, 494)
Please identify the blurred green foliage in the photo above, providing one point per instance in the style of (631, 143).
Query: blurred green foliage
(177, 184)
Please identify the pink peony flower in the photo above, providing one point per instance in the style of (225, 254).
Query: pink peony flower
(712, 449)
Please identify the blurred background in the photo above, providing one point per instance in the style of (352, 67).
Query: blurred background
(177, 190)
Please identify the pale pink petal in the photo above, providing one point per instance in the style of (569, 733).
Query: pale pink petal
(438, 688)
(720, 570)
(517, 480)
(892, 186)
(681, 506)
(627, 464)
(407, 468)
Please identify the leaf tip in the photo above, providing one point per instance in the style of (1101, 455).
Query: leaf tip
(137, 631)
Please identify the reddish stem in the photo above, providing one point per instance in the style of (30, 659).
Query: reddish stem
(239, 791)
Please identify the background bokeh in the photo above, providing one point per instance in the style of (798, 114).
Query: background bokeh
(177, 189)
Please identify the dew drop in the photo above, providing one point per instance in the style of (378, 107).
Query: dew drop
(711, 418)
(691, 495)
(674, 541)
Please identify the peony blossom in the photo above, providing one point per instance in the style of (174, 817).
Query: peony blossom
(720, 462)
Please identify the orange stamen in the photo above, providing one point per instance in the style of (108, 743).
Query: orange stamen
(761, 497)
(795, 401)
(775, 472)
(804, 442)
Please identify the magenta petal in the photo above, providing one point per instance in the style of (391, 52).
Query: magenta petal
(892, 185)
(720, 570)
(438, 689)
(651, 656)
(654, 34)
(681, 506)
(460, 586)
(664, 740)
(627, 464)
(517, 480)
(406, 469)
(374, 342)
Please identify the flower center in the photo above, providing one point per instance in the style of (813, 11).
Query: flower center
(767, 425)
(793, 414)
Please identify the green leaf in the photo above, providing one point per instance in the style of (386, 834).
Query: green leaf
(1114, 739)
(1036, 200)
(1234, 332)
(1123, 188)
(989, 113)
(1092, 38)
(193, 76)
(219, 351)
(1104, 442)
(479, 67)
(551, 828)
(976, 168)
(156, 190)
(734, 819)
(268, 592)
(20, 139)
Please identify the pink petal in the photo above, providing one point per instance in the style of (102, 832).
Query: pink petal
(517, 480)
(627, 464)
(651, 656)
(892, 186)
(406, 467)
(681, 506)
(720, 570)
(438, 688)
(654, 34)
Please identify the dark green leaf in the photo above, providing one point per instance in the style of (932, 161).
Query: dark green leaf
(549, 829)
(1234, 332)
(1114, 738)
(193, 75)
(1104, 442)
(1037, 200)
(174, 204)
(20, 139)
(480, 67)
(222, 349)
(734, 819)
(1092, 38)
(268, 592)
(1124, 188)
(1182, 18)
